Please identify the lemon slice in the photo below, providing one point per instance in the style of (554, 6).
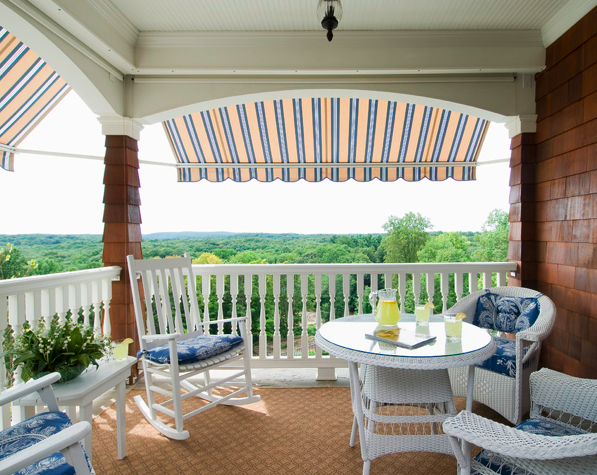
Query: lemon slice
(127, 341)
(460, 316)
(429, 305)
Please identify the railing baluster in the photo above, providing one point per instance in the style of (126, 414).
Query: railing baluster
(402, 289)
(277, 340)
(458, 286)
(430, 286)
(416, 286)
(262, 317)
(445, 288)
(332, 292)
(360, 291)
(220, 297)
(206, 292)
(290, 322)
(304, 322)
(317, 309)
(486, 280)
(234, 298)
(106, 299)
(97, 301)
(346, 291)
(248, 281)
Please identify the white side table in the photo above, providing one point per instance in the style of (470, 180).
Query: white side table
(82, 390)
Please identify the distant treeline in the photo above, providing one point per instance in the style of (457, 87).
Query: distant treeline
(407, 239)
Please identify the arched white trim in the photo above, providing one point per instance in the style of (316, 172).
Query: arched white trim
(305, 93)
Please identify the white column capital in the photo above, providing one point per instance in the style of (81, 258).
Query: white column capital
(121, 126)
(521, 124)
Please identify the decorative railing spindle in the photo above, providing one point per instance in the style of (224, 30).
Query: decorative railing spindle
(346, 292)
(248, 282)
(360, 291)
(277, 339)
(304, 322)
(290, 321)
(234, 298)
(220, 296)
(318, 309)
(416, 286)
(262, 316)
(332, 292)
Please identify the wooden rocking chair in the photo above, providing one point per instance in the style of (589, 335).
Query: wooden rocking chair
(176, 345)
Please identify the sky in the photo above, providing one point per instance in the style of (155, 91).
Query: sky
(57, 195)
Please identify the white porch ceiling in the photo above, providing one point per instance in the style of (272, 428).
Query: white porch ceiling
(359, 15)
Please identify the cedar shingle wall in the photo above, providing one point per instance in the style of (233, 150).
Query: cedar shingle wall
(563, 179)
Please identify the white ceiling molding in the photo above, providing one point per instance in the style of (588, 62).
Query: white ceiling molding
(521, 124)
(120, 22)
(121, 126)
(92, 30)
(565, 18)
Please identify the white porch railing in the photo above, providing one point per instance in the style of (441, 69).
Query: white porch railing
(280, 285)
(312, 292)
(31, 299)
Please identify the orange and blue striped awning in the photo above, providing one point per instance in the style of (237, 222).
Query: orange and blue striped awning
(315, 139)
(29, 89)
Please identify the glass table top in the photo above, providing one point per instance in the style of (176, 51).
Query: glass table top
(349, 333)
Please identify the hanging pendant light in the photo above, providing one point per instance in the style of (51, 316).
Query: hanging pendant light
(330, 13)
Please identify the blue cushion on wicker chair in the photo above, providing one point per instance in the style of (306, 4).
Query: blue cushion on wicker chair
(504, 359)
(505, 313)
(31, 431)
(194, 349)
(540, 426)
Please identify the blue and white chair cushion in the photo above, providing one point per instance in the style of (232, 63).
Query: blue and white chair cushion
(504, 313)
(539, 426)
(34, 430)
(504, 359)
(194, 349)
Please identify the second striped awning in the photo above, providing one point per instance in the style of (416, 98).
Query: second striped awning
(326, 138)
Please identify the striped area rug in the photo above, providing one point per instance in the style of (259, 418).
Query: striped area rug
(290, 431)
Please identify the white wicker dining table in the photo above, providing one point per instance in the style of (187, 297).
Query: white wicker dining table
(400, 397)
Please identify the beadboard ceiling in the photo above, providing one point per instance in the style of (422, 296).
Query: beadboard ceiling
(359, 15)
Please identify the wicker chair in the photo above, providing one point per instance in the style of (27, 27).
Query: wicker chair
(558, 439)
(505, 388)
(47, 442)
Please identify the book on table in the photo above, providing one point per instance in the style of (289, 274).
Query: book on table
(400, 337)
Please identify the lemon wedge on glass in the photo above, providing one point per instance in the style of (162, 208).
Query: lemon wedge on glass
(429, 305)
(128, 341)
(460, 316)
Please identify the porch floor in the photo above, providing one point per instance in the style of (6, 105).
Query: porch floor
(301, 429)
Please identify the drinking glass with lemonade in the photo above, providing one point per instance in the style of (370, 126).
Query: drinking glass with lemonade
(453, 322)
(385, 307)
(423, 313)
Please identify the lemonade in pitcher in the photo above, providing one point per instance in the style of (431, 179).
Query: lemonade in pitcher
(385, 307)
(387, 312)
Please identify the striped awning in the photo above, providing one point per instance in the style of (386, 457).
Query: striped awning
(326, 138)
(29, 89)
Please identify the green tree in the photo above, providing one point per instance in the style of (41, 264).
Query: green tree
(405, 237)
(447, 247)
(492, 244)
(207, 258)
(13, 264)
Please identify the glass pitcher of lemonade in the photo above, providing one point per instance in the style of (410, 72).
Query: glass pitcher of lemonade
(385, 308)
